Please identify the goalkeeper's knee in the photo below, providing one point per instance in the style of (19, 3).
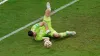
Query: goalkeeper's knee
(56, 35)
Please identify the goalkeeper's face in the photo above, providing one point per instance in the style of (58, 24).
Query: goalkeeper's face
(34, 34)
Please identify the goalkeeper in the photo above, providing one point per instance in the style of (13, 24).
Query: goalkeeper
(42, 30)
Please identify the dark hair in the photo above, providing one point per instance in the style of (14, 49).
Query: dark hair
(30, 33)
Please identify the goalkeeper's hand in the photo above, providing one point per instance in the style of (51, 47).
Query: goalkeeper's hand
(47, 42)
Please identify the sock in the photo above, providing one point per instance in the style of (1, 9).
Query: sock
(48, 6)
(62, 34)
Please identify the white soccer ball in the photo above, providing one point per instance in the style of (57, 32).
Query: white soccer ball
(47, 44)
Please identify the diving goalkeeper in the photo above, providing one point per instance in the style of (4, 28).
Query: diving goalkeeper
(42, 30)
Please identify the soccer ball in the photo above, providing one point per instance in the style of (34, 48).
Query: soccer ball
(47, 44)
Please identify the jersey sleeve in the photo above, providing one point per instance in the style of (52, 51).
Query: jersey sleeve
(39, 38)
(35, 27)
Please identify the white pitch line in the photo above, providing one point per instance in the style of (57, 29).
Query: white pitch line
(55, 11)
(3, 2)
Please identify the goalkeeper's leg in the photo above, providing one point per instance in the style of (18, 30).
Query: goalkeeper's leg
(63, 34)
(67, 33)
(48, 10)
(47, 19)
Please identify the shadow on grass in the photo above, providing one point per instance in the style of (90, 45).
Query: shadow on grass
(60, 39)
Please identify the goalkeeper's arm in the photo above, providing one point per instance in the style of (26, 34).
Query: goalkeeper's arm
(46, 27)
(36, 26)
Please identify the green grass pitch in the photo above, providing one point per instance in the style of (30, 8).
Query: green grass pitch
(82, 17)
(1, 0)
